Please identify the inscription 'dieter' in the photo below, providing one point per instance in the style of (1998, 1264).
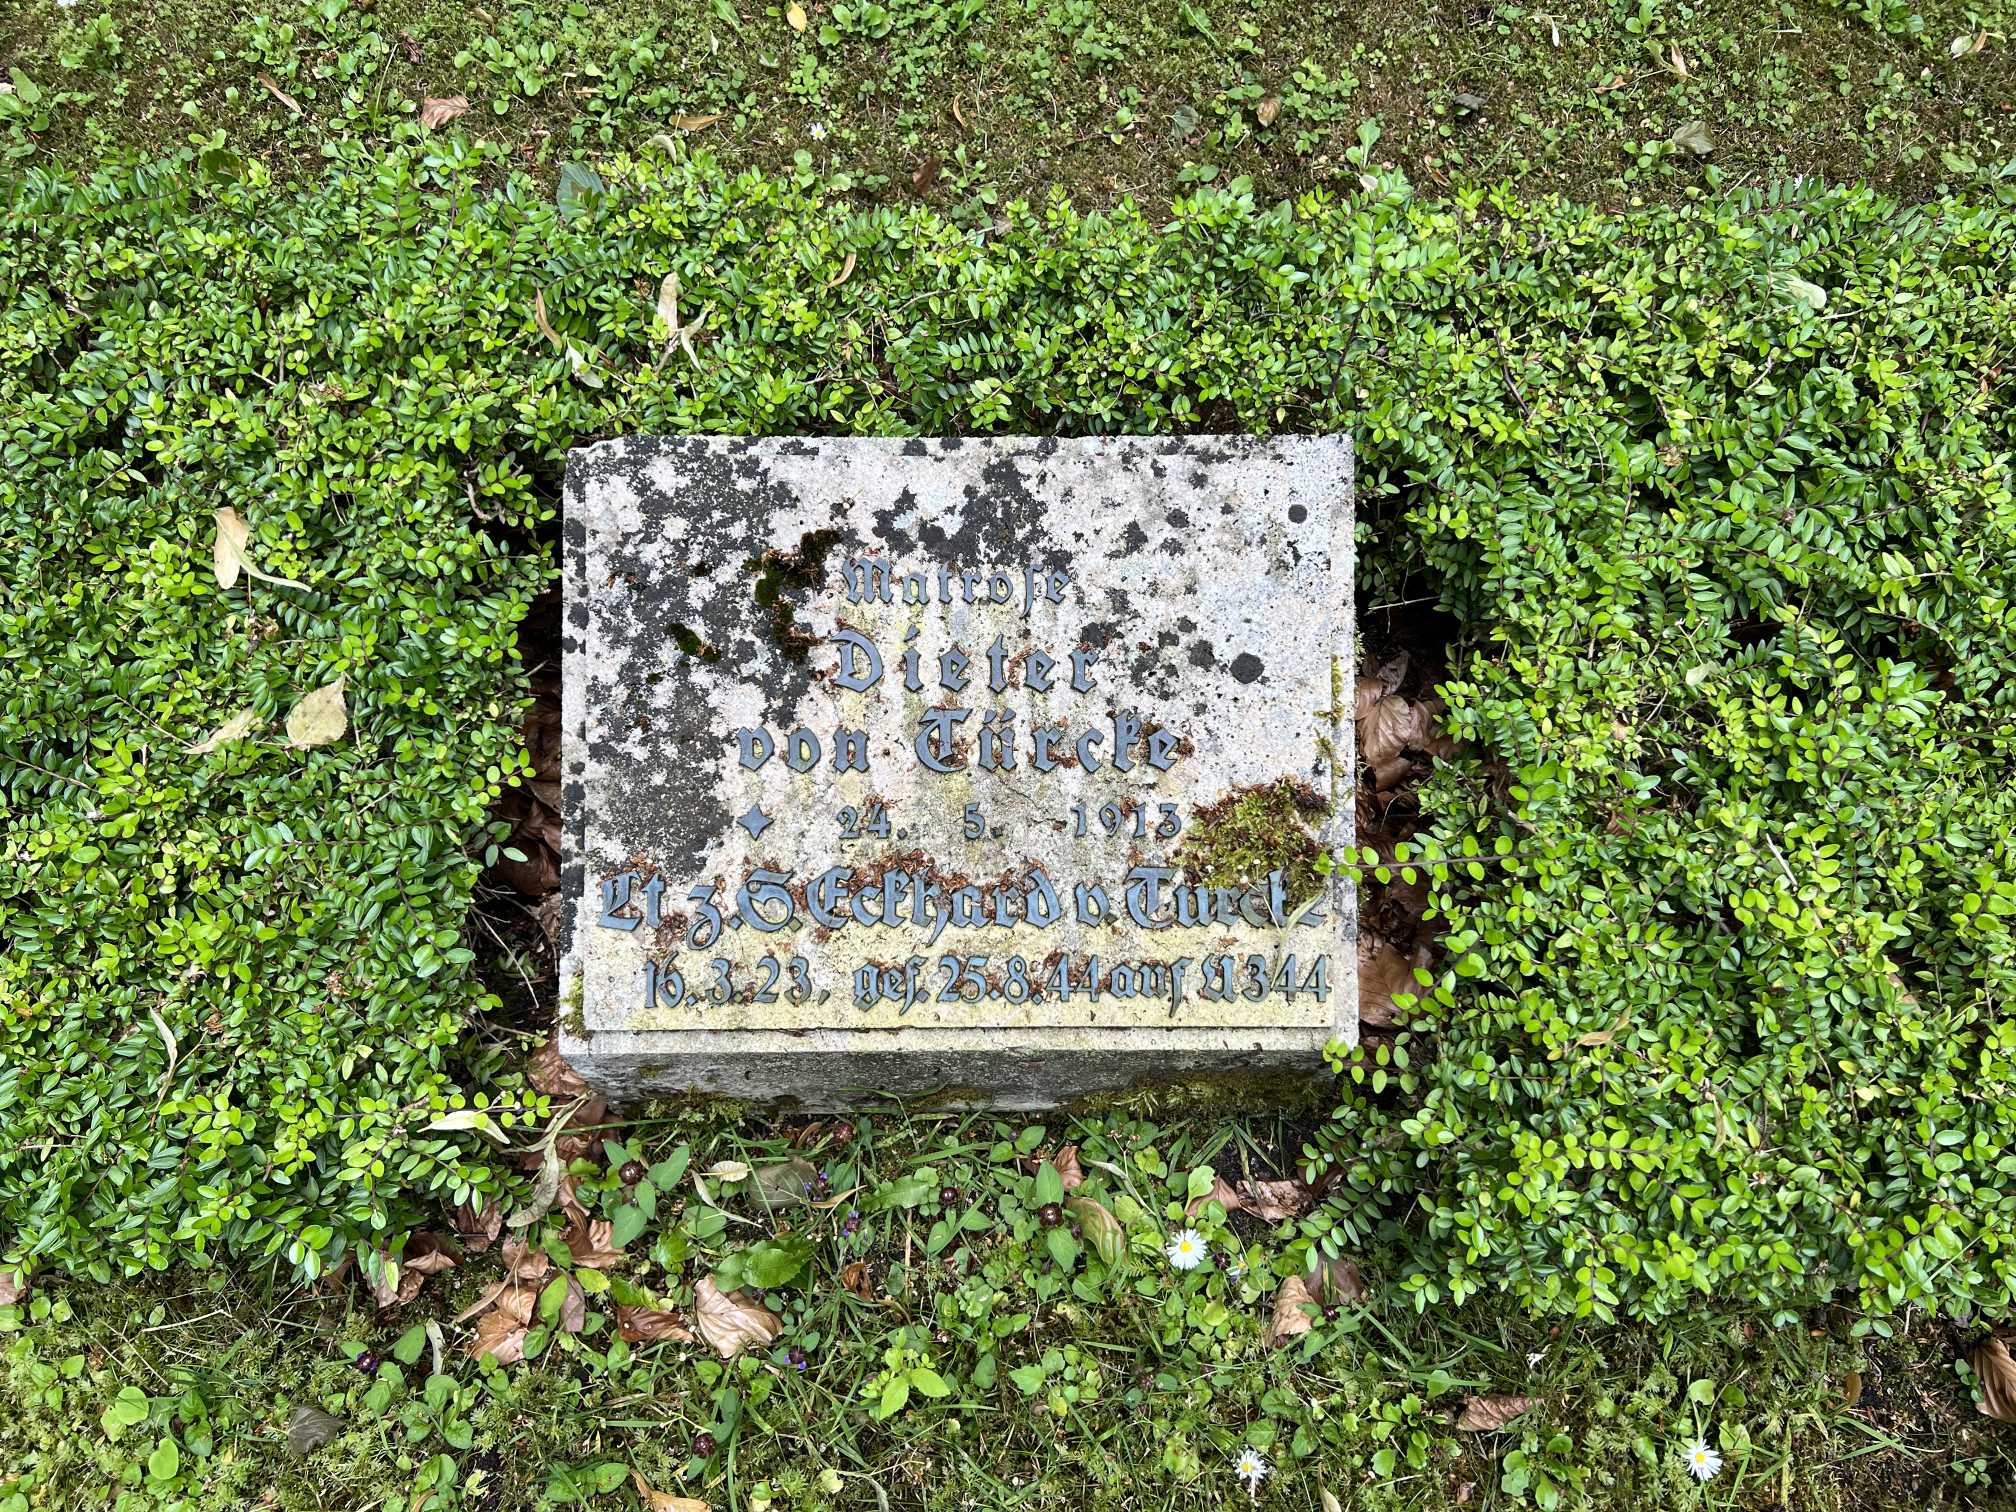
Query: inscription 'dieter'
(961, 738)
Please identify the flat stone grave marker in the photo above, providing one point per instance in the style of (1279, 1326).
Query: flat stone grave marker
(995, 770)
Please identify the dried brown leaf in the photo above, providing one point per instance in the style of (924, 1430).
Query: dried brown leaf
(309, 1428)
(787, 1182)
(525, 1262)
(1275, 1201)
(573, 1308)
(237, 727)
(644, 1325)
(1069, 1172)
(552, 1075)
(500, 1334)
(318, 718)
(1487, 1414)
(13, 1286)
(1996, 1373)
(1336, 1281)
(588, 1242)
(280, 94)
(854, 1275)
(695, 122)
(846, 272)
(230, 553)
(664, 1501)
(1294, 1312)
(477, 1224)
(958, 114)
(730, 1322)
(438, 112)
(1383, 971)
(1270, 109)
(927, 173)
(1222, 1192)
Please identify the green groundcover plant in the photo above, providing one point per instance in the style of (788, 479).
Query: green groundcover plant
(1718, 494)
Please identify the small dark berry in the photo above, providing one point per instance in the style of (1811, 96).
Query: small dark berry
(1051, 1214)
(703, 1445)
(948, 1196)
(632, 1172)
(841, 1131)
(367, 1362)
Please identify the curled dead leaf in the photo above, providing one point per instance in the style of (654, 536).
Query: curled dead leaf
(309, 1428)
(664, 1501)
(646, 1325)
(787, 1183)
(547, 1071)
(1294, 1312)
(588, 1242)
(500, 1332)
(279, 94)
(958, 114)
(1336, 1281)
(695, 122)
(1104, 1232)
(1995, 1372)
(795, 17)
(1275, 1201)
(230, 553)
(237, 727)
(13, 1286)
(1269, 110)
(927, 173)
(438, 112)
(1069, 1172)
(1383, 971)
(731, 1322)
(477, 1224)
(846, 272)
(1222, 1192)
(318, 718)
(854, 1275)
(1487, 1414)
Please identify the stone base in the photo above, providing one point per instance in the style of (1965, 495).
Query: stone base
(829, 1070)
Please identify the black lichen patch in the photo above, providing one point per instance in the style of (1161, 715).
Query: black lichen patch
(1251, 832)
(780, 575)
(1247, 667)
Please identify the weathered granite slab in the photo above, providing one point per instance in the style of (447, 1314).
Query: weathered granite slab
(896, 766)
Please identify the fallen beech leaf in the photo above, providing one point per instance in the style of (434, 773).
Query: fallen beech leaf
(1275, 1201)
(729, 1171)
(1996, 1372)
(846, 272)
(229, 556)
(545, 326)
(1269, 109)
(1383, 971)
(794, 14)
(309, 1428)
(855, 1277)
(1330, 1502)
(1851, 1388)
(1105, 1233)
(318, 718)
(1222, 1192)
(588, 1242)
(958, 114)
(13, 1286)
(1294, 1310)
(1069, 1172)
(788, 1182)
(730, 1321)
(644, 1325)
(1677, 62)
(1335, 1281)
(280, 94)
(927, 172)
(1693, 137)
(501, 1331)
(552, 1075)
(237, 727)
(525, 1262)
(438, 112)
(477, 1226)
(1487, 1414)
(695, 122)
(590, 1114)
(664, 1501)
(573, 1308)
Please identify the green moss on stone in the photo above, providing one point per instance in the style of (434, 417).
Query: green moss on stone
(1239, 840)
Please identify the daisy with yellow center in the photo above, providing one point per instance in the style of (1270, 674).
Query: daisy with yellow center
(1703, 1463)
(1250, 1468)
(1186, 1249)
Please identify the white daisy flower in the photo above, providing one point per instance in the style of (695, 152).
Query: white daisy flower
(1250, 1468)
(1186, 1249)
(817, 131)
(1703, 1463)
